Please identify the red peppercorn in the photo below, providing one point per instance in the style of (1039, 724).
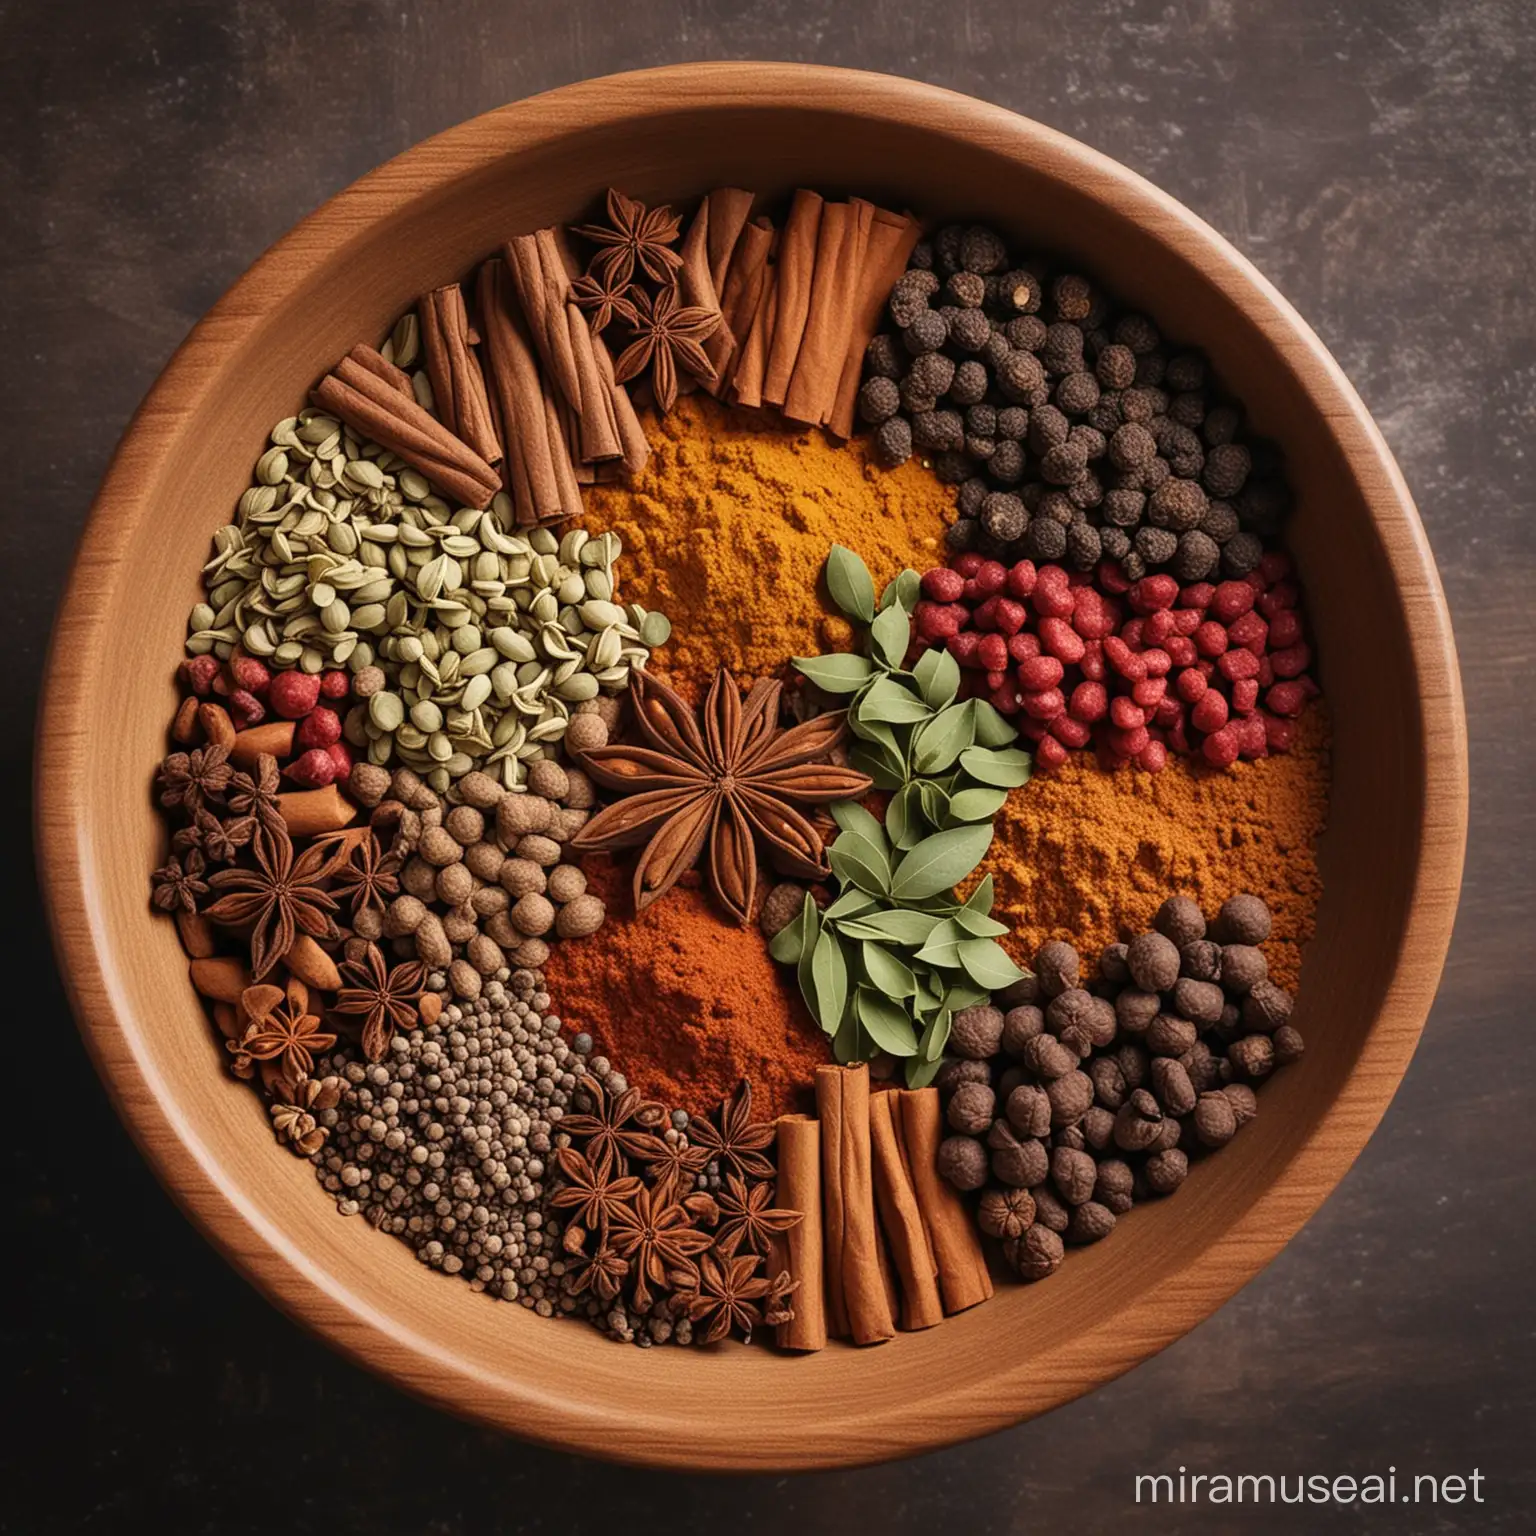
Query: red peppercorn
(1154, 592)
(963, 647)
(1050, 753)
(341, 755)
(1157, 661)
(937, 621)
(1250, 631)
(1112, 578)
(319, 728)
(984, 615)
(1021, 579)
(248, 673)
(1275, 566)
(293, 694)
(1040, 672)
(1092, 617)
(1123, 659)
(1153, 757)
(992, 653)
(997, 680)
(1251, 739)
(315, 769)
(1053, 601)
(967, 565)
(334, 685)
(1285, 699)
(1090, 702)
(1092, 664)
(1232, 600)
(198, 673)
(1197, 595)
(1185, 621)
(991, 578)
(1044, 705)
(1292, 661)
(1132, 631)
(1236, 664)
(1209, 711)
(1181, 650)
(1190, 684)
(1169, 712)
(1023, 645)
(1245, 695)
(1126, 714)
(1010, 617)
(1210, 638)
(941, 585)
(1004, 698)
(1127, 743)
(1284, 629)
(1280, 597)
(1266, 673)
(1221, 748)
(1060, 640)
(1070, 732)
(245, 709)
(1149, 691)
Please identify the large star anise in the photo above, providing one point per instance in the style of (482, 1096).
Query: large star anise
(672, 1159)
(667, 337)
(255, 794)
(188, 779)
(594, 1193)
(634, 234)
(381, 996)
(218, 838)
(617, 1126)
(654, 1234)
(602, 298)
(727, 1295)
(602, 1271)
(737, 1142)
(282, 1033)
(363, 874)
(729, 784)
(178, 884)
(746, 1218)
(279, 897)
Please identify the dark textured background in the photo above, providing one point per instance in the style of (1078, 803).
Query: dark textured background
(1374, 159)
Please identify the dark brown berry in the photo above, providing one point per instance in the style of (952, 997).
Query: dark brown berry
(1037, 1255)
(879, 400)
(1243, 919)
(893, 442)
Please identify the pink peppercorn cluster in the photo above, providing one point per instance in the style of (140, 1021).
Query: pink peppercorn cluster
(251, 693)
(1139, 669)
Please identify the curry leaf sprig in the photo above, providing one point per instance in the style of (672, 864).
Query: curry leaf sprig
(892, 959)
(947, 762)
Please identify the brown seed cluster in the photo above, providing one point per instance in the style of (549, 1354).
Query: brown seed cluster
(1069, 1103)
(484, 880)
(1074, 430)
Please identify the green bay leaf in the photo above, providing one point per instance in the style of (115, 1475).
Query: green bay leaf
(938, 677)
(852, 817)
(921, 1073)
(940, 862)
(980, 900)
(886, 1023)
(1003, 767)
(850, 904)
(850, 584)
(939, 742)
(885, 973)
(889, 636)
(841, 672)
(888, 702)
(788, 944)
(992, 729)
(988, 964)
(905, 589)
(978, 925)
(976, 804)
(829, 976)
(898, 926)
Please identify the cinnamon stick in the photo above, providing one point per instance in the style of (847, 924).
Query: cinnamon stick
(797, 270)
(541, 294)
(858, 1302)
(458, 385)
(891, 238)
(706, 253)
(531, 448)
(747, 386)
(963, 1277)
(799, 1249)
(381, 367)
(901, 1219)
(356, 392)
(839, 260)
(741, 293)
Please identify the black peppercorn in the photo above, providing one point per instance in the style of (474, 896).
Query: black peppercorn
(1021, 378)
(952, 467)
(1177, 505)
(1004, 517)
(967, 289)
(946, 248)
(1037, 1254)
(1019, 292)
(1243, 919)
(937, 431)
(1062, 464)
(1007, 462)
(931, 374)
(1196, 557)
(1241, 554)
(926, 333)
(893, 442)
(1150, 367)
(1063, 348)
(969, 330)
(1137, 332)
(1026, 332)
(909, 298)
(1084, 547)
(1219, 523)
(1156, 546)
(969, 384)
(1114, 542)
(1077, 393)
(1221, 425)
(883, 358)
(1072, 296)
(1012, 423)
(879, 399)
(982, 249)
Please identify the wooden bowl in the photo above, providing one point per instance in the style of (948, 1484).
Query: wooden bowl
(1391, 858)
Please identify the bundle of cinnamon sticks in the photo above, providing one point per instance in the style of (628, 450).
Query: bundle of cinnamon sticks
(885, 1243)
(799, 305)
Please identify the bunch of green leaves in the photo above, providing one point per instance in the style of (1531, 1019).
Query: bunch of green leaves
(946, 762)
(892, 959)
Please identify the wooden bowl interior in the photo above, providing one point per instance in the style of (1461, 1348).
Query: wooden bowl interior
(434, 214)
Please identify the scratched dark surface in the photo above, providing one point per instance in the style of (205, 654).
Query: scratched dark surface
(1374, 159)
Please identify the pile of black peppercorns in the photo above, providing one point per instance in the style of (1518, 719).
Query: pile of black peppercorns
(1074, 432)
(1073, 1104)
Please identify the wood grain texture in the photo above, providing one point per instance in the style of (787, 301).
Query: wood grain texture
(1391, 861)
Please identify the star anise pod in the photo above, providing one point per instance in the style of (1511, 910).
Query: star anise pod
(178, 883)
(654, 1234)
(618, 1125)
(603, 1272)
(593, 1192)
(381, 996)
(282, 1033)
(603, 299)
(281, 896)
(634, 234)
(188, 779)
(295, 1123)
(747, 1219)
(667, 337)
(255, 794)
(727, 1296)
(671, 1160)
(729, 783)
(777, 1307)
(736, 1143)
(220, 840)
(364, 874)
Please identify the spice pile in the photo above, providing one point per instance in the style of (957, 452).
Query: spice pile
(494, 884)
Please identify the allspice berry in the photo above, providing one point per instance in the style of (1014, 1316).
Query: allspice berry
(586, 733)
(1244, 1102)
(566, 882)
(781, 907)
(977, 1032)
(1171, 1085)
(971, 1108)
(578, 918)
(1266, 1007)
(1179, 920)
(1243, 919)
(1073, 1174)
(1035, 1255)
(1029, 1110)
(1020, 1026)
(1020, 1162)
(1153, 961)
(1289, 1045)
(962, 1161)
(1056, 967)
(1243, 967)
(1070, 1095)
(1201, 1001)
(533, 915)
(1165, 1171)
(546, 777)
(1201, 960)
(1215, 1123)
(1252, 1057)
(1049, 1211)
(1089, 1222)
(1005, 1213)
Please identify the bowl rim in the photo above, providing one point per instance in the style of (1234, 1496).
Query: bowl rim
(318, 1301)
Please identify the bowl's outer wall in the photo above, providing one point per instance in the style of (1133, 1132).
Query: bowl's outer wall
(1391, 857)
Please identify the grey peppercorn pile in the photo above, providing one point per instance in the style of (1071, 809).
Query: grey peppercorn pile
(1074, 431)
(1068, 1104)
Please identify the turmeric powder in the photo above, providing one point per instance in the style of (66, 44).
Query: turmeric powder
(1088, 856)
(728, 526)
